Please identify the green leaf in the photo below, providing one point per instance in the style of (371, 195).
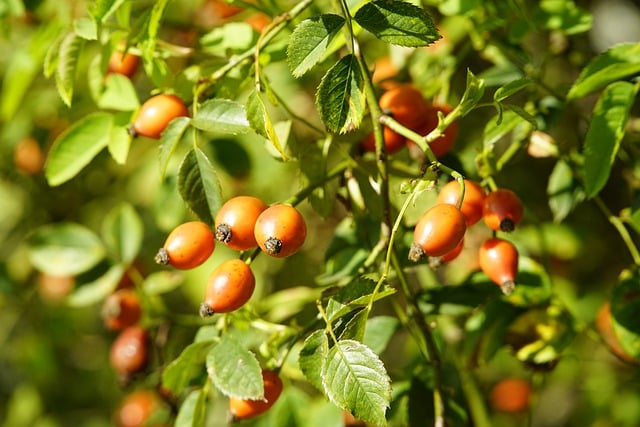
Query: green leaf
(97, 290)
(340, 97)
(67, 61)
(193, 410)
(473, 93)
(606, 130)
(85, 28)
(65, 249)
(228, 39)
(103, 9)
(355, 327)
(497, 129)
(564, 191)
(563, 15)
(312, 356)
(625, 303)
(77, 146)
(190, 363)
(510, 88)
(223, 116)
(119, 140)
(122, 232)
(199, 186)
(260, 121)
(169, 141)
(161, 282)
(309, 41)
(354, 295)
(119, 94)
(619, 62)
(398, 22)
(380, 330)
(234, 370)
(354, 378)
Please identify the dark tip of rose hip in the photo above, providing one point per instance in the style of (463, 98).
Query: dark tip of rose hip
(508, 287)
(273, 245)
(223, 233)
(416, 253)
(507, 225)
(436, 262)
(205, 310)
(162, 257)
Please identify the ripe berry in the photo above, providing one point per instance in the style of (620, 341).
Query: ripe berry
(393, 141)
(54, 289)
(189, 245)
(406, 104)
(241, 409)
(28, 156)
(156, 113)
(130, 351)
(435, 262)
(137, 408)
(280, 230)
(472, 201)
(498, 259)
(236, 220)
(121, 309)
(229, 287)
(511, 395)
(502, 210)
(442, 145)
(437, 232)
(604, 326)
(123, 63)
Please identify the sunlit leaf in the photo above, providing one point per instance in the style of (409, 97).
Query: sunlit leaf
(310, 40)
(606, 130)
(97, 290)
(193, 410)
(355, 379)
(340, 97)
(169, 141)
(122, 232)
(77, 146)
(380, 330)
(260, 121)
(67, 60)
(398, 22)
(234, 370)
(177, 375)
(119, 94)
(222, 116)
(65, 249)
(199, 186)
(354, 295)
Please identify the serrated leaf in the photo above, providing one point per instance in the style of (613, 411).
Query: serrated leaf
(222, 116)
(97, 290)
(119, 94)
(234, 370)
(199, 186)
(340, 97)
(65, 249)
(67, 61)
(77, 146)
(193, 410)
(261, 122)
(162, 282)
(309, 41)
(354, 295)
(563, 190)
(617, 63)
(179, 373)
(355, 379)
(398, 22)
(122, 232)
(606, 130)
(169, 141)
(354, 329)
(312, 355)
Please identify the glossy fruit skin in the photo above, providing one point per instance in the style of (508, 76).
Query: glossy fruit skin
(121, 309)
(129, 352)
(442, 145)
(511, 395)
(156, 113)
(28, 156)
(406, 104)
(136, 408)
(438, 231)
(502, 210)
(229, 287)
(393, 141)
(236, 220)
(472, 203)
(123, 63)
(241, 409)
(436, 262)
(189, 245)
(498, 259)
(604, 326)
(280, 230)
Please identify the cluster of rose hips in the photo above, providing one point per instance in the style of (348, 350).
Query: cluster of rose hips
(407, 106)
(440, 230)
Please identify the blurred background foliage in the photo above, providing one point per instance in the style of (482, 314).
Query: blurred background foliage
(54, 368)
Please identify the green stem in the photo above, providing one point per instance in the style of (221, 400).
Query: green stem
(618, 223)
(477, 407)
